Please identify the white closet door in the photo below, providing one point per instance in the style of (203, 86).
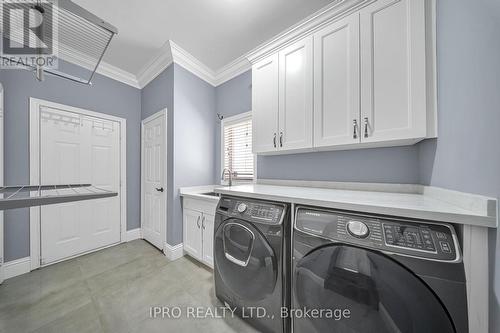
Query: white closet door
(104, 223)
(78, 149)
(336, 83)
(296, 95)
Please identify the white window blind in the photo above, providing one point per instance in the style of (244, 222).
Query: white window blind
(237, 143)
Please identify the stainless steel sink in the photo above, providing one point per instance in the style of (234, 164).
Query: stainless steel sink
(213, 194)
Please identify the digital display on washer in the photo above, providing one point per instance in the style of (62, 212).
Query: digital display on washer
(411, 237)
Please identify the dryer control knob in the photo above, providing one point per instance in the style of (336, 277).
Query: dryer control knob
(242, 207)
(358, 229)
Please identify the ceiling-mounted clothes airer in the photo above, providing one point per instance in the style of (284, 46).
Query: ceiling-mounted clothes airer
(78, 37)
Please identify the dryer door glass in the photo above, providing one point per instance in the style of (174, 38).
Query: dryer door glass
(245, 260)
(363, 291)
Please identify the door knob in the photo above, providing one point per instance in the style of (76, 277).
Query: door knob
(159, 189)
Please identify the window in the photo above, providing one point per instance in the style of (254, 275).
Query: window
(237, 147)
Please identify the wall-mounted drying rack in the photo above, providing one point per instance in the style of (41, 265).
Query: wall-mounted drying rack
(77, 37)
(12, 197)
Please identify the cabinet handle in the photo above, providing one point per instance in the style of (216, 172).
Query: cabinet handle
(355, 129)
(281, 139)
(203, 222)
(198, 222)
(274, 140)
(366, 127)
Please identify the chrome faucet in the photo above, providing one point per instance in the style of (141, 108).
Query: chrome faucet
(230, 175)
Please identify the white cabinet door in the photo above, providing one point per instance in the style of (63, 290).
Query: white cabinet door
(296, 95)
(192, 233)
(393, 86)
(336, 83)
(208, 239)
(265, 105)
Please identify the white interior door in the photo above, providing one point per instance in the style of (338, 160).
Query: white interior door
(77, 149)
(154, 152)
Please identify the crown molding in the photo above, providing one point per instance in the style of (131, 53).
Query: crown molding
(75, 57)
(231, 70)
(190, 63)
(118, 74)
(171, 52)
(156, 66)
(307, 26)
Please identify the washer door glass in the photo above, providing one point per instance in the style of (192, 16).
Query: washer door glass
(379, 294)
(245, 261)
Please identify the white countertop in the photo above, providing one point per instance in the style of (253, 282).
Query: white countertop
(410, 205)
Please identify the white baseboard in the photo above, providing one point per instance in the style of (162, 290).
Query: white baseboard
(133, 234)
(17, 267)
(173, 252)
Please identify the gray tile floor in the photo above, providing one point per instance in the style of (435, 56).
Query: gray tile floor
(112, 291)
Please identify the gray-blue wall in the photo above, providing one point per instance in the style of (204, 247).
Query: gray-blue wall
(105, 95)
(393, 165)
(466, 155)
(381, 165)
(231, 98)
(194, 140)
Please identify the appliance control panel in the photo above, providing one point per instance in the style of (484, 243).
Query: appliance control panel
(414, 238)
(255, 211)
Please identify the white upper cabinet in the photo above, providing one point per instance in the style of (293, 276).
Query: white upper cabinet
(365, 79)
(265, 105)
(393, 70)
(296, 96)
(336, 83)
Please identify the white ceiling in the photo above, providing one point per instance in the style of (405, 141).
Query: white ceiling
(214, 31)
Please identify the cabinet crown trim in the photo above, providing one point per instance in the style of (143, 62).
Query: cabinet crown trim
(325, 16)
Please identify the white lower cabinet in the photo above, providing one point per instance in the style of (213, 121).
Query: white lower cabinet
(198, 223)
(192, 233)
(207, 226)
